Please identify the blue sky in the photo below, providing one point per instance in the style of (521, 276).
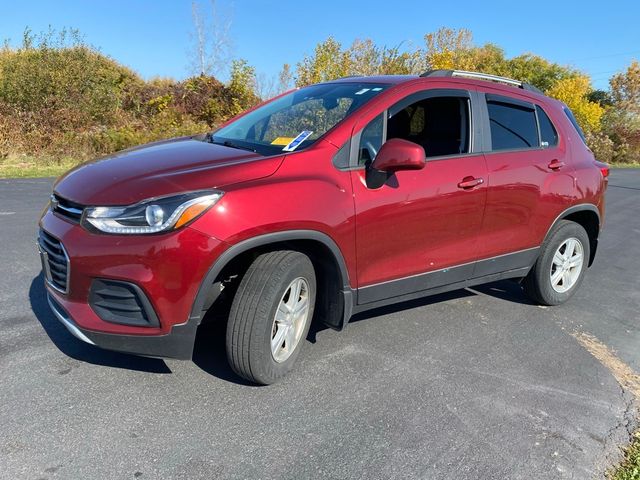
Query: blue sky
(153, 37)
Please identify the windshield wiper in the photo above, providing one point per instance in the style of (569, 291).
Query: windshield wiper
(229, 144)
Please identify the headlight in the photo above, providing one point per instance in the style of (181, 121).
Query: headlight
(153, 215)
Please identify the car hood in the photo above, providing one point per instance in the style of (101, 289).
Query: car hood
(162, 168)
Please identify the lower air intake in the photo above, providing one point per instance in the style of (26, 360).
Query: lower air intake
(121, 302)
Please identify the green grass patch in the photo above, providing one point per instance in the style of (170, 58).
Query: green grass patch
(625, 165)
(23, 166)
(629, 469)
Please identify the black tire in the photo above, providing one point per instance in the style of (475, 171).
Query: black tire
(249, 328)
(537, 284)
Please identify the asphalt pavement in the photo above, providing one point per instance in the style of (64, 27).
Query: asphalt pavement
(474, 384)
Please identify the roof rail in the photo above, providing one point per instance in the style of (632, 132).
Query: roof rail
(481, 76)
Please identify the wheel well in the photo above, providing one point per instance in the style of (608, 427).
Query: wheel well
(329, 300)
(591, 223)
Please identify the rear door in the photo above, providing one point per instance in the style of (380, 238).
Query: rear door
(417, 230)
(530, 181)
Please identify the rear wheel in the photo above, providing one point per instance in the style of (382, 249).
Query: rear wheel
(561, 266)
(270, 316)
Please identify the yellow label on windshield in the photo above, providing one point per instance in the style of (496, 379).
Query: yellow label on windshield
(282, 141)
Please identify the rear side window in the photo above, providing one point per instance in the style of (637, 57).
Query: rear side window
(548, 133)
(512, 126)
(574, 122)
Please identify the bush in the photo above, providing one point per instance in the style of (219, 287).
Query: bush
(602, 146)
(63, 76)
(60, 97)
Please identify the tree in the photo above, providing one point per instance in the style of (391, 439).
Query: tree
(211, 40)
(454, 49)
(622, 120)
(242, 86)
(601, 97)
(625, 88)
(393, 61)
(364, 57)
(574, 91)
(538, 71)
(285, 78)
(445, 47)
(270, 86)
(265, 86)
(328, 62)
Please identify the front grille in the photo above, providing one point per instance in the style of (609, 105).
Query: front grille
(121, 302)
(66, 208)
(55, 261)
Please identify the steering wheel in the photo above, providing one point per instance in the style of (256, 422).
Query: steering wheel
(373, 151)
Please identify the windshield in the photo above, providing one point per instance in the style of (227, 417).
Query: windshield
(295, 121)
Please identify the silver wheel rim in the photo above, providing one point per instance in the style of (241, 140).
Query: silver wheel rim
(290, 320)
(567, 265)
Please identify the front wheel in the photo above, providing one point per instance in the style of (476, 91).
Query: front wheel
(270, 316)
(561, 266)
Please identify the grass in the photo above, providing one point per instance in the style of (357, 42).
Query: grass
(625, 165)
(23, 166)
(629, 469)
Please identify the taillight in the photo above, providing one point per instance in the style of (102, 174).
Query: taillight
(604, 169)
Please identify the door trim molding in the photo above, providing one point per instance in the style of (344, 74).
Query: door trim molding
(521, 260)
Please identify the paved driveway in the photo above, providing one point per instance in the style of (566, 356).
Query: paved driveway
(475, 384)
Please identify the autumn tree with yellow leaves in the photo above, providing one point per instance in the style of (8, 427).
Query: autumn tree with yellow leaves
(574, 91)
(612, 128)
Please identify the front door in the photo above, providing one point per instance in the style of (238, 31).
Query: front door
(417, 230)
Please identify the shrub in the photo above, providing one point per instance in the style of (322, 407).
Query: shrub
(60, 97)
(602, 146)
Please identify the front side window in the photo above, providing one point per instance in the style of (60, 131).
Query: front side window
(440, 125)
(371, 140)
(295, 121)
(512, 126)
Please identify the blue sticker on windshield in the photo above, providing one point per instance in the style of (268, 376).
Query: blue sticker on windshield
(295, 143)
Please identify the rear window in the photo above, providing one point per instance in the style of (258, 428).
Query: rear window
(574, 122)
(548, 133)
(512, 126)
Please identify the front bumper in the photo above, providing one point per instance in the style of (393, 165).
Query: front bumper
(176, 344)
(168, 268)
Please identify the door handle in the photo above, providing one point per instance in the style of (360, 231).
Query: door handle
(555, 165)
(470, 182)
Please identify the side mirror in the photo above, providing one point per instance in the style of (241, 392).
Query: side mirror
(398, 154)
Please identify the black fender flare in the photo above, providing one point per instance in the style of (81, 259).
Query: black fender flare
(261, 240)
(582, 207)
(590, 207)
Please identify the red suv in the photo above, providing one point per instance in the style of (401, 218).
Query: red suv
(323, 202)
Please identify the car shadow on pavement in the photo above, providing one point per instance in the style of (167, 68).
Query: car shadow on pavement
(317, 326)
(508, 290)
(411, 304)
(77, 349)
